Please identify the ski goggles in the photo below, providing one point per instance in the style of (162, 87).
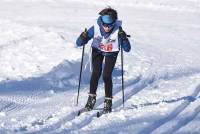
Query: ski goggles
(108, 25)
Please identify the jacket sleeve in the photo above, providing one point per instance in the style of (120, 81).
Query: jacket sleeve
(125, 44)
(80, 42)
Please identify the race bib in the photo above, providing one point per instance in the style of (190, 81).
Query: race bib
(106, 47)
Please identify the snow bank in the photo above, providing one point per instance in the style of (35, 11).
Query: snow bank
(29, 51)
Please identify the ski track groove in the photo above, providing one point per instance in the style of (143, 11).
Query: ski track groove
(3, 105)
(172, 115)
(141, 85)
(70, 117)
(186, 120)
(183, 122)
(10, 107)
(138, 86)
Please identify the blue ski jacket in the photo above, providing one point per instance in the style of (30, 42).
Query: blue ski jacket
(125, 43)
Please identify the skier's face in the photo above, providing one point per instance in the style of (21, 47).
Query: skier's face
(107, 27)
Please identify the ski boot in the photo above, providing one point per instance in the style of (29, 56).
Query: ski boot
(90, 102)
(107, 105)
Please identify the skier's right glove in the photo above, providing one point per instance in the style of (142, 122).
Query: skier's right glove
(84, 36)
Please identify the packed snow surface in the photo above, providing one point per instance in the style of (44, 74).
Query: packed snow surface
(40, 64)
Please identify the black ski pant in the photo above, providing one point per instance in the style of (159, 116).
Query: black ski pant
(97, 61)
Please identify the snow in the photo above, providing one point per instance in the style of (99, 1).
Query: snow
(39, 67)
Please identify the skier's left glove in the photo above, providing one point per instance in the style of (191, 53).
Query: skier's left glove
(122, 34)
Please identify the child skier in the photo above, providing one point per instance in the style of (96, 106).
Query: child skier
(107, 37)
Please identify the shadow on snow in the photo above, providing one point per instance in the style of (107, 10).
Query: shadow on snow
(63, 77)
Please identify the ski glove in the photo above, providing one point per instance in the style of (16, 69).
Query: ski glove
(122, 34)
(84, 36)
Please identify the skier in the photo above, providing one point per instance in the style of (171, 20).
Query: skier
(107, 36)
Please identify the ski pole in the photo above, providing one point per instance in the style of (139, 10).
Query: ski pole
(122, 65)
(80, 75)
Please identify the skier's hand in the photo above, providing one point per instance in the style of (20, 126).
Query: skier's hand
(84, 36)
(122, 34)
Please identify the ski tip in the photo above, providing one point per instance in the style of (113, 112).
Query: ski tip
(98, 114)
(79, 113)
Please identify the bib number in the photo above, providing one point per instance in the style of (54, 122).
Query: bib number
(106, 47)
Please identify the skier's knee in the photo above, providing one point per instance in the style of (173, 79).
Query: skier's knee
(106, 78)
(96, 74)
